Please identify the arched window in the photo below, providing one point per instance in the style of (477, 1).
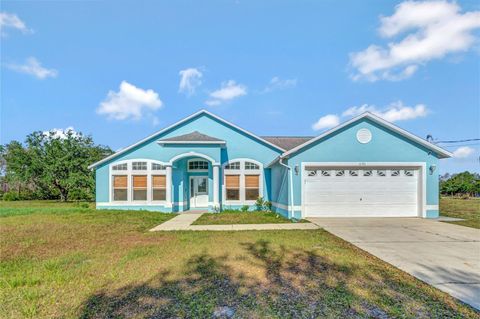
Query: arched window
(243, 181)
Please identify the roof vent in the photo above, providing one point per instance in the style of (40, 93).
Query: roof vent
(364, 135)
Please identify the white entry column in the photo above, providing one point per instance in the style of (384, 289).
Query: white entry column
(216, 185)
(168, 185)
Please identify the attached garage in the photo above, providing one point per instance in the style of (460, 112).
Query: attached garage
(362, 191)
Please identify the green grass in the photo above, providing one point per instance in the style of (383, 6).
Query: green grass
(66, 262)
(236, 217)
(468, 209)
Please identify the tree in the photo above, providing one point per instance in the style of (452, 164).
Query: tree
(463, 183)
(54, 165)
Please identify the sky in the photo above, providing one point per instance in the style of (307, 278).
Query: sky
(121, 70)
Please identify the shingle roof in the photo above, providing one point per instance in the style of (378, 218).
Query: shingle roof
(192, 137)
(287, 142)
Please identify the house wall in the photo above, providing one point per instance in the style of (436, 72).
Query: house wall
(279, 189)
(385, 146)
(238, 145)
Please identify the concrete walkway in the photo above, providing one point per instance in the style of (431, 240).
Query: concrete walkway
(180, 222)
(184, 222)
(443, 255)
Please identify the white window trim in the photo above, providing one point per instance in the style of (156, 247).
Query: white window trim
(130, 173)
(242, 172)
(197, 160)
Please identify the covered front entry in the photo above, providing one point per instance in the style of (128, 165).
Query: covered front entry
(343, 191)
(195, 182)
(198, 192)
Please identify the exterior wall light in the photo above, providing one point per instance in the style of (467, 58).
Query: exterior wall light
(296, 169)
(433, 167)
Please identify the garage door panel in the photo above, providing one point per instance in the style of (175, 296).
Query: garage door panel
(383, 192)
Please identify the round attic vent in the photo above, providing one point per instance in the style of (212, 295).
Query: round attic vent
(364, 135)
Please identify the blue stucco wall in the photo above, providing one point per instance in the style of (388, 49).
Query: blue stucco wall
(238, 145)
(342, 146)
(385, 146)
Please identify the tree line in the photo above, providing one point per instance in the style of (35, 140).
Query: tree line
(462, 184)
(55, 166)
(50, 166)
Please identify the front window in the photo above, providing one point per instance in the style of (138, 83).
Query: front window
(251, 166)
(197, 165)
(232, 185)
(243, 181)
(159, 187)
(252, 187)
(233, 166)
(157, 167)
(120, 187)
(139, 187)
(139, 166)
(120, 167)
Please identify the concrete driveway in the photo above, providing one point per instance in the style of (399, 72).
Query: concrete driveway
(444, 255)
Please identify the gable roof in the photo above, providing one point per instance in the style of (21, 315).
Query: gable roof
(287, 142)
(193, 137)
(194, 115)
(367, 115)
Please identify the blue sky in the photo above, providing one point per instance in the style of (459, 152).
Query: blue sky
(120, 70)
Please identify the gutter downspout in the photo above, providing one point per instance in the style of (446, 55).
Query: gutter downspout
(290, 185)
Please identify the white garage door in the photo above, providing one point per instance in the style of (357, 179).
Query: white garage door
(366, 192)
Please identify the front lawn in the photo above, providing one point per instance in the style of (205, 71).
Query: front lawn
(236, 217)
(60, 261)
(468, 209)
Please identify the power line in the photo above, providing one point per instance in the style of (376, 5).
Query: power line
(471, 144)
(459, 141)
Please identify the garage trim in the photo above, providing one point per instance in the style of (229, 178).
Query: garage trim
(421, 166)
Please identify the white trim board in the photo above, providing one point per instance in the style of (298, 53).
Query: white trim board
(191, 142)
(203, 111)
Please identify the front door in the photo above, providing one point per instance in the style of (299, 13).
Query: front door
(198, 192)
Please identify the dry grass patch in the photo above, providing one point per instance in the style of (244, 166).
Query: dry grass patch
(468, 209)
(98, 264)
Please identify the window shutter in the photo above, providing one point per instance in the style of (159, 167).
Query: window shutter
(232, 181)
(120, 181)
(159, 181)
(140, 181)
(251, 181)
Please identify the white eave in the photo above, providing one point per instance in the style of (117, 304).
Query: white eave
(106, 159)
(192, 142)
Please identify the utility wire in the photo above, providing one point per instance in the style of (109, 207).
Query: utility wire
(458, 141)
(471, 144)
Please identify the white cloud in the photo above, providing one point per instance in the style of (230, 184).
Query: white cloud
(394, 112)
(129, 102)
(190, 79)
(277, 83)
(463, 152)
(33, 67)
(228, 91)
(61, 133)
(12, 21)
(326, 122)
(433, 29)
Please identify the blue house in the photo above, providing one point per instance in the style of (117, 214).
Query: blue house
(365, 167)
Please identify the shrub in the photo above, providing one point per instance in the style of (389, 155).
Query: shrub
(11, 196)
(267, 206)
(245, 208)
(262, 205)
